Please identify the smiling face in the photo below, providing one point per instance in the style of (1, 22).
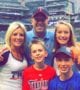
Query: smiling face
(63, 34)
(17, 38)
(38, 53)
(39, 23)
(64, 64)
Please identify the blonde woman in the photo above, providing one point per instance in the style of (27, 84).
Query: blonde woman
(14, 60)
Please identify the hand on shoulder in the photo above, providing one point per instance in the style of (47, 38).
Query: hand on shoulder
(2, 51)
(76, 52)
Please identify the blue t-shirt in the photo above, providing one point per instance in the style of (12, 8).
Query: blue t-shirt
(71, 84)
(49, 42)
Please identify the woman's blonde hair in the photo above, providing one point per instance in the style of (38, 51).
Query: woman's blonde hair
(72, 38)
(12, 27)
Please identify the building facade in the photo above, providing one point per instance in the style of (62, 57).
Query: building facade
(12, 10)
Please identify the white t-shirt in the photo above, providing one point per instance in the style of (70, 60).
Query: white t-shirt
(11, 74)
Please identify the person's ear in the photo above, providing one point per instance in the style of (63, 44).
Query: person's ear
(47, 21)
(46, 53)
(32, 21)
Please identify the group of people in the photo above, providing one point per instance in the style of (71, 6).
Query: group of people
(40, 59)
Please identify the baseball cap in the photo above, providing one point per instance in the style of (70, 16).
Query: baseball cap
(40, 13)
(63, 50)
